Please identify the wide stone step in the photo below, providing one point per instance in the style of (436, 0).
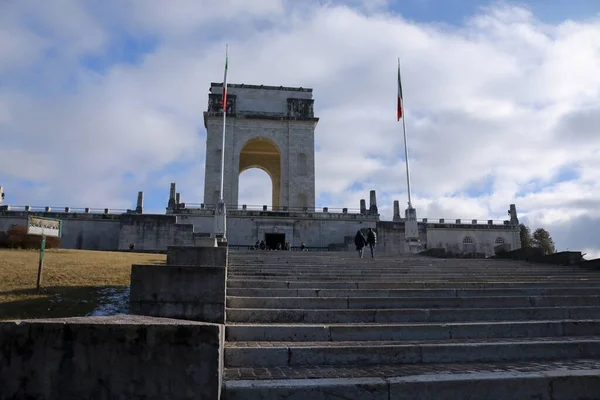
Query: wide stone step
(420, 283)
(485, 267)
(571, 379)
(254, 315)
(260, 354)
(409, 302)
(399, 275)
(268, 292)
(407, 280)
(414, 331)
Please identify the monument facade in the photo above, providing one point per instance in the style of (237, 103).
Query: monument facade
(271, 128)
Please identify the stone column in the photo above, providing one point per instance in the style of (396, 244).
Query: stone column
(397, 211)
(411, 231)
(373, 203)
(171, 204)
(363, 206)
(512, 212)
(140, 203)
(1, 195)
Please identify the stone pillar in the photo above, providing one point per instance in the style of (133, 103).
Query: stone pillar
(411, 231)
(140, 203)
(48, 209)
(172, 192)
(363, 206)
(373, 203)
(67, 209)
(177, 198)
(1, 195)
(396, 211)
(513, 215)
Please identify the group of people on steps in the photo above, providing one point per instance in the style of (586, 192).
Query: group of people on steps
(360, 241)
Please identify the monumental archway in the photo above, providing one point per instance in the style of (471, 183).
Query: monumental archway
(267, 127)
(262, 153)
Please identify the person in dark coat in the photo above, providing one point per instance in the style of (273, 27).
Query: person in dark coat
(371, 241)
(360, 242)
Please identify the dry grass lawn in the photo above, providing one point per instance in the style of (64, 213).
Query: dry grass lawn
(70, 280)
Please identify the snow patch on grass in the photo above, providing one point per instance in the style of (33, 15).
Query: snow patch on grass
(112, 301)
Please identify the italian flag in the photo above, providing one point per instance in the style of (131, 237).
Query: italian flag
(225, 82)
(399, 93)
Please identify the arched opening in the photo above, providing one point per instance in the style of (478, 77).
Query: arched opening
(255, 189)
(499, 240)
(263, 154)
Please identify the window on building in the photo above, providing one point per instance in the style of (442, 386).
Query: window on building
(468, 240)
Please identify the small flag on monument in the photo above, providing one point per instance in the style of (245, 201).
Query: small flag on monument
(225, 82)
(399, 93)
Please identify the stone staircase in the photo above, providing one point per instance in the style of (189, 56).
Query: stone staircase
(303, 325)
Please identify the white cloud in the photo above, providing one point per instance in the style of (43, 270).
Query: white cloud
(502, 101)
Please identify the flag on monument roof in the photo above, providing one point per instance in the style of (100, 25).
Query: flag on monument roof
(225, 82)
(399, 93)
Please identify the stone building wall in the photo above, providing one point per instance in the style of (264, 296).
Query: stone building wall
(80, 230)
(319, 229)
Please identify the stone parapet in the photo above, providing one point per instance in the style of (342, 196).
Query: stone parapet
(188, 292)
(118, 357)
(194, 255)
(193, 290)
(64, 213)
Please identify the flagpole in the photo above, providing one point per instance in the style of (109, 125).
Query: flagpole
(224, 118)
(405, 141)
(220, 228)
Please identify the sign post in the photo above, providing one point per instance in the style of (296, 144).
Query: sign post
(41, 264)
(41, 226)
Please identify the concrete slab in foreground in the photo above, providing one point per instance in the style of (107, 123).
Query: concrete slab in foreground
(117, 357)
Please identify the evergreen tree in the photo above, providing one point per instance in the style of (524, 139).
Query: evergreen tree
(542, 239)
(525, 235)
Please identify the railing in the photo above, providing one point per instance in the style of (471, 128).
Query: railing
(256, 208)
(464, 221)
(86, 210)
(267, 208)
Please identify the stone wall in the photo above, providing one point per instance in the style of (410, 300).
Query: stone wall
(451, 237)
(80, 230)
(156, 232)
(391, 238)
(318, 230)
(190, 227)
(193, 289)
(120, 357)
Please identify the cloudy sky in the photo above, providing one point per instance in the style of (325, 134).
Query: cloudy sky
(102, 98)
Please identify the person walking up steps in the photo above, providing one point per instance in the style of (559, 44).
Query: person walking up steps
(360, 242)
(371, 241)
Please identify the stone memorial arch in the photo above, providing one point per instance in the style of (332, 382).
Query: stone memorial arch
(267, 127)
